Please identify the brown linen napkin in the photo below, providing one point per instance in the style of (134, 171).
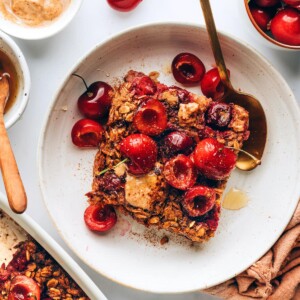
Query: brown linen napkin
(276, 276)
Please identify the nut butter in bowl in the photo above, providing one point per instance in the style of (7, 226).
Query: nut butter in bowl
(8, 69)
(36, 19)
(14, 66)
(33, 12)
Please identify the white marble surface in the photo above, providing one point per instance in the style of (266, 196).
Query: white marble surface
(50, 59)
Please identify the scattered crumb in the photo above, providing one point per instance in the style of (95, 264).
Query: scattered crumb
(64, 108)
(167, 69)
(164, 240)
(154, 75)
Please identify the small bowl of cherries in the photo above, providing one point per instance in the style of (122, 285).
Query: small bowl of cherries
(277, 22)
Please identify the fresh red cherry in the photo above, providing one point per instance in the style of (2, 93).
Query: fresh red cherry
(151, 117)
(285, 26)
(124, 5)
(180, 172)
(199, 200)
(143, 85)
(100, 218)
(213, 160)
(211, 84)
(95, 102)
(87, 133)
(24, 288)
(219, 115)
(141, 151)
(261, 16)
(267, 3)
(187, 68)
(178, 142)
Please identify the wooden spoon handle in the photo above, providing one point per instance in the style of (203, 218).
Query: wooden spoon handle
(15, 191)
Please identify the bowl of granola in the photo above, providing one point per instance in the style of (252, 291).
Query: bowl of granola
(33, 265)
(145, 172)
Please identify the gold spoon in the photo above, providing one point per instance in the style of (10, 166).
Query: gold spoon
(257, 120)
(12, 181)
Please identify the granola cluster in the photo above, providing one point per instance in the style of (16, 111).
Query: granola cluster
(34, 262)
(149, 199)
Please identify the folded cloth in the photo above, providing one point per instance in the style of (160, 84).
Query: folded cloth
(276, 276)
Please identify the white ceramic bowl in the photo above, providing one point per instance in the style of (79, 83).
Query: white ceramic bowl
(257, 33)
(11, 49)
(43, 31)
(243, 236)
(54, 249)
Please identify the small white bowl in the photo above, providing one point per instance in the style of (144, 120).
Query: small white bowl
(10, 48)
(42, 31)
(258, 33)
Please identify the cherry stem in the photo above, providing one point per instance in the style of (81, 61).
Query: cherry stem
(86, 86)
(112, 168)
(257, 161)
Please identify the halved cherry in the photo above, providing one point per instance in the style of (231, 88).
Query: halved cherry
(151, 117)
(124, 5)
(100, 218)
(213, 160)
(24, 288)
(87, 133)
(187, 68)
(141, 151)
(180, 172)
(95, 102)
(211, 84)
(219, 114)
(143, 85)
(178, 142)
(199, 200)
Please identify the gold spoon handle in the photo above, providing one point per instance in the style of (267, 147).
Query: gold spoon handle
(214, 41)
(11, 177)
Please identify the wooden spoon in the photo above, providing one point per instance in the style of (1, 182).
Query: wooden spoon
(15, 191)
